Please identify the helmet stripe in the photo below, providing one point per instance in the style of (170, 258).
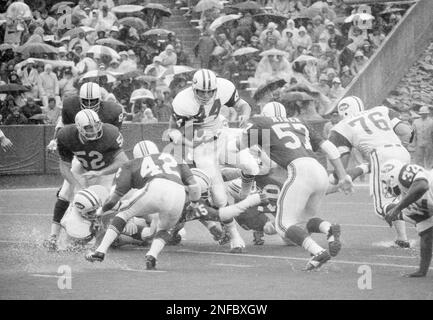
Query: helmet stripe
(89, 196)
(357, 102)
(208, 80)
(204, 79)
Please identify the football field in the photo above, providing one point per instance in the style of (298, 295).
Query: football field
(368, 267)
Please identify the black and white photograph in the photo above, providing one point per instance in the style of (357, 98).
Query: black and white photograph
(216, 157)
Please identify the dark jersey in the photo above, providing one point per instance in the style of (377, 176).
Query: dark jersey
(135, 174)
(93, 155)
(109, 112)
(283, 139)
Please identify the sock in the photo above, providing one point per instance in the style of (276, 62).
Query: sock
(400, 228)
(296, 234)
(235, 210)
(59, 210)
(156, 247)
(232, 230)
(55, 229)
(311, 246)
(109, 237)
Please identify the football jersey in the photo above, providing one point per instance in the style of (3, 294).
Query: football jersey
(366, 131)
(94, 154)
(282, 139)
(137, 173)
(186, 107)
(109, 112)
(422, 208)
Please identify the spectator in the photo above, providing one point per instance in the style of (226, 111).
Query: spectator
(423, 138)
(255, 43)
(66, 85)
(182, 57)
(367, 49)
(271, 29)
(204, 48)
(335, 118)
(30, 109)
(272, 67)
(303, 39)
(376, 38)
(16, 117)
(48, 85)
(323, 84)
(270, 41)
(155, 68)
(290, 26)
(123, 91)
(148, 116)
(318, 28)
(52, 112)
(7, 107)
(240, 43)
(168, 56)
(358, 63)
(162, 109)
(346, 76)
(106, 19)
(336, 92)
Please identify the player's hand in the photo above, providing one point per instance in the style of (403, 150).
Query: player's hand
(6, 144)
(92, 174)
(242, 120)
(130, 228)
(52, 146)
(392, 215)
(346, 184)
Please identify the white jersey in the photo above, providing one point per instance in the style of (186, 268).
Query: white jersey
(186, 107)
(367, 131)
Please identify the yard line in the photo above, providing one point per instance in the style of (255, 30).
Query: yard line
(9, 214)
(300, 259)
(44, 275)
(398, 257)
(232, 265)
(29, 189)
(142, 270)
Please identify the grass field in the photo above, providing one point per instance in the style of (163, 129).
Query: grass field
(199, 268)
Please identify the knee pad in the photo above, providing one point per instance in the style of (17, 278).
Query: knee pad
(118, 224)
(59, 210)
(164, 235)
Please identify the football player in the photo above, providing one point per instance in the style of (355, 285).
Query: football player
(149, 175)
(98, 148)
(196, 111)
(413, 185)
(108, 112)
(290, 143)
(377, 134)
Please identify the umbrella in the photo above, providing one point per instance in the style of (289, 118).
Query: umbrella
(60, 4)
(218, 22)
(391, 10)
(18, 10)
(12, 87)
(141, 94)
(36, 47)
(247, 5)
(268, 87)
(134, 22)
(204, 5)
(270, 17)
(54, 63)
(76, 31)
(244, 51)
(158, 7)
(358, 16)
(306, 58)
(110, 41)
(99, 50)
(295, 96)
(273, 52)
(162, 32)
(175, 70)
(127, 8)
(5, 46)
(130, 75)
(98, 74)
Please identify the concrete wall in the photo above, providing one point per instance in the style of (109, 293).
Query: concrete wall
(388, 65)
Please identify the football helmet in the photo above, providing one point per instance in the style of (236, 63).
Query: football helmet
(204, 181)
(350, 106)
(90, 96)
(88, 124)
(389, 173)
(87, 201)
(274, 109)
(144, 148)
(204, 86)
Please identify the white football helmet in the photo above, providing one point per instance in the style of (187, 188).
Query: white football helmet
(274, 109)
(350, 106)
(87, 201)
(204, 181)
(144, 148)
(88, 124)
(204, 86)
(90, 96)
(389, 173)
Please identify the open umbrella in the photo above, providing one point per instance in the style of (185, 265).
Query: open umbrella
(13, 87)
(247, 5)
(267, 17)
(268, 87)
(141, 94)
(134, 22)
(391, 10)
(110, 41)
(218, 22)
(127, 8)
(95, 74)
(18, 10)
(204, 5)
(60, 4)
(36, 47)
(358, 16)
(130, 75)
(159, 32)
(244, 51)
(99, 50)
(76, 31)
(306, 58)
(158, 7)
(54, 63)
(175, 70)
(274, 52)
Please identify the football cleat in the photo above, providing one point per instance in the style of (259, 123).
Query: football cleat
(50, 243)
(93, 256)
(219, 235)
(317, 261)
(150, 262)
(335, 245)
(402, 244)
(237, 245)
(258, 238)
(175, 239)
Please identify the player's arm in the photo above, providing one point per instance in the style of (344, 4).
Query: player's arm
(343, 145)
(194, 191)
(242, 107)
(5, 143)
(65, 163)
(404, 132)
(52, 146)
(426, 248)
(177, 128)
